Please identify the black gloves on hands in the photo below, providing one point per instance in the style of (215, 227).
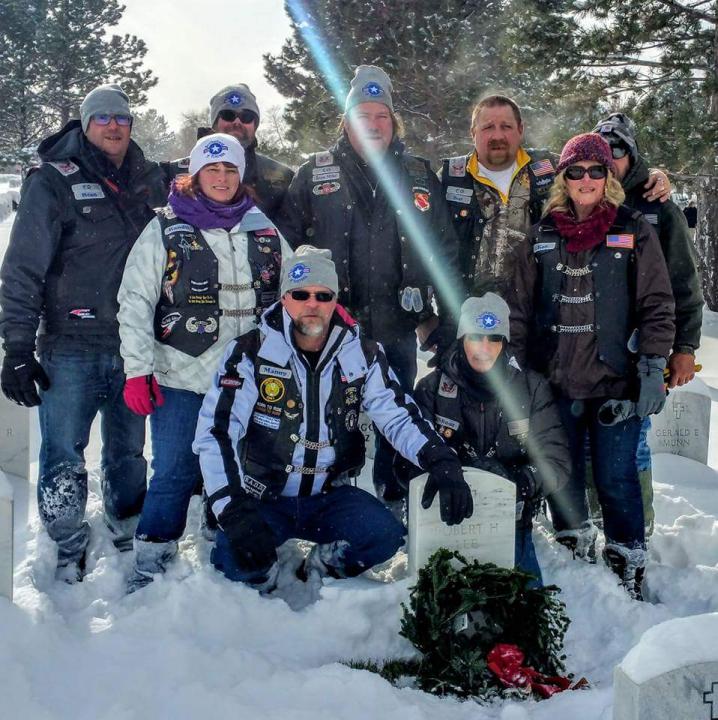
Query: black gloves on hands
(442, 337)
(446, 478)
(251, 539)
(652, 394)
(20, 372)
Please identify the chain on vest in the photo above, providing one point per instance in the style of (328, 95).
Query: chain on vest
(188, 313)
(273, 430)
(611, 266)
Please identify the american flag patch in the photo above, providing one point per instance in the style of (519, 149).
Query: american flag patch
(543, 167)
(620, 241)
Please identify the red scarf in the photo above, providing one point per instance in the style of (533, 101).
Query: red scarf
(586, 234)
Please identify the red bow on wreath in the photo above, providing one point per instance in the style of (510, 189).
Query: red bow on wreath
(506, 662)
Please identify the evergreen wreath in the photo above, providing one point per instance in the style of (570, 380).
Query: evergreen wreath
(459, 611)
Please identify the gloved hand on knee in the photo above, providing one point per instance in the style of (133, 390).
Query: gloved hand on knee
(446, 477)
(250, 538)
(20, 372)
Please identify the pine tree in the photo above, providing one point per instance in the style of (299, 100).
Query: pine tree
(658, 58)
(152, 133)
(441, 57)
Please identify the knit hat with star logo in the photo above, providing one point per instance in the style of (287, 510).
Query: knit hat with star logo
(369, 84)
(485, 315)
(233, 97)
(309, 266)
(215, 148)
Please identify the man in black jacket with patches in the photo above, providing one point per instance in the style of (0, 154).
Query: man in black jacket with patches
(79, 215)
(380, 212)
(498, 417)
(234, 111)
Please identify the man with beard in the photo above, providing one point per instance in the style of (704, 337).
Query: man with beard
(279, 440)
(496, 193)
(234, 111)
(380, 212)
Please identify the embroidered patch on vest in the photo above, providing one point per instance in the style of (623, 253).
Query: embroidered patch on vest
(457, 167)
(227, 381)
(82, 314)
(459, 194)
(271, 390)
(544, 247)
(542, 167)
(518, 427)
(253, 487)
(179, 227)
(422, 199)
(326, 188)
(87, 191)
(446, 422)
(624, 240)
(448, 388)
(66, 167)
(276, 372)
(324, 158)
(265, 421)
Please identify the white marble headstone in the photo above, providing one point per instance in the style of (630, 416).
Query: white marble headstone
(487, 536)
(18, 436)
(6, 531)
(671, 673)
(367, 428)
(683, 426)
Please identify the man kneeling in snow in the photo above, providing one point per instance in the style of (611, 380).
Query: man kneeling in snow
(278, 438)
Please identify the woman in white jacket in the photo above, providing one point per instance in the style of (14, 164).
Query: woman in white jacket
(199, 275)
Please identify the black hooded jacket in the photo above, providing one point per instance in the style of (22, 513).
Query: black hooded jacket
(77, 220)
(507, 414)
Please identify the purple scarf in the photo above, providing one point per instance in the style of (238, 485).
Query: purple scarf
(206, 214)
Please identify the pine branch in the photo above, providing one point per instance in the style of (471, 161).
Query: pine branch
(692, 11)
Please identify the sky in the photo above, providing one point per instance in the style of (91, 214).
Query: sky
(195, 52)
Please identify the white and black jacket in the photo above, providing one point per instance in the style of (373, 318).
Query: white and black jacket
(270, 426)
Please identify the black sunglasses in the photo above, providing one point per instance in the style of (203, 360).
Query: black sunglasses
(478, 337)
(595, 172)
(245, 116)
(618, 151)
(323, 296)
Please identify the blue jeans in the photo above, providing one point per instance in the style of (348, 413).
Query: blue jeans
(401, 354)
(613, 458)
(345, 513)
(175, 468)
(81, 385)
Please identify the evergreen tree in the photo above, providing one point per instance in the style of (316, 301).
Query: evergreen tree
(659, 59)
(441, 56)
(186, 136)
(152, 133)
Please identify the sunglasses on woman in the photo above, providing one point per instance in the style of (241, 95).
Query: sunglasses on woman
(245, 116)
(595, 172)
(323, 296)
(105, 119)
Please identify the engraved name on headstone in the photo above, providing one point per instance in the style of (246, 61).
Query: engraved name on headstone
(487, 536)
(683, 426)
(671, 673)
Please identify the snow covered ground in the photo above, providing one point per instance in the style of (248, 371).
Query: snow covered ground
(195, 645)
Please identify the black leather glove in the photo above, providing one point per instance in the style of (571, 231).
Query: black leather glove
(251, 539)
(492, 465)
(442, 337)
(446, 478)
(526, 486)
(20, 372)
(652, 394)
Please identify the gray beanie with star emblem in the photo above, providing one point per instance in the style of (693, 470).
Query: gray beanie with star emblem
(485, 315)
(309, 266)
(104, 100)
(369, 84)
(233, 97)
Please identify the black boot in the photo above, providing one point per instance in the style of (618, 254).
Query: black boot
(629, 565)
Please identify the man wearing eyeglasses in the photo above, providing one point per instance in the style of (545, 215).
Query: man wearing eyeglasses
(80, 213)
(279, 441)
(234, 111)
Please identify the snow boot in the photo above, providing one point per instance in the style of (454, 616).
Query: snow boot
(151, 558)
(581, 541)
(123, 531)
(73, 571)
(629, 564)
(207, 521)
(322, 561)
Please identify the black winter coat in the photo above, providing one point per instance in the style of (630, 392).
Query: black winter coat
(492, 418)
(76, 223)
(335, 201)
